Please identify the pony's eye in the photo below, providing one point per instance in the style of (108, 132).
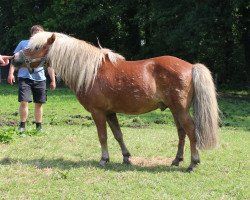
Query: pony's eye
(36, 48)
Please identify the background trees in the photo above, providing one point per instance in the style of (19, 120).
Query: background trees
(212, 32)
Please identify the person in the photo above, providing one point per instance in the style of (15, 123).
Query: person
(4, 60)
(31, 82)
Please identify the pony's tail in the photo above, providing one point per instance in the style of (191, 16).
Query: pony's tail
(205, 108)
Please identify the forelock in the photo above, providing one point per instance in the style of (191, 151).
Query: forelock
(39, 39)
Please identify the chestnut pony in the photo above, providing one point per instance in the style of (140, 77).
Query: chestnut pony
(106, 84)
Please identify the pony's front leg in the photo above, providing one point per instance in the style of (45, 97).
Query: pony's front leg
(115, 127)
(100, 121)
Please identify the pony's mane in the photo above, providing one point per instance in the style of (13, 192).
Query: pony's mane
(76, 61)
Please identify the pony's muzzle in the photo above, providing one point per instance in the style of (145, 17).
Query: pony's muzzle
(16, 61)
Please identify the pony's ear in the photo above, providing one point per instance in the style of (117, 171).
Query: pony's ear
(51, 39)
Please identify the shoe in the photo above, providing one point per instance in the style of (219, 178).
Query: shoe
(40, 130)
(21, 129)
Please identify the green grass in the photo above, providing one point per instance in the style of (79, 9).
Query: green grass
(63, 162)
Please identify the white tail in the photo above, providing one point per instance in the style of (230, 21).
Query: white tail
(206, 112)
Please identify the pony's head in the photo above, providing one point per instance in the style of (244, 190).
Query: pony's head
(33, 56)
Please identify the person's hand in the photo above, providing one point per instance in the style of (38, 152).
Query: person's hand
(53, 85)
(11, 79)
(4, 60)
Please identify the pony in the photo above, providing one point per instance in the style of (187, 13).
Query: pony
(105, 84)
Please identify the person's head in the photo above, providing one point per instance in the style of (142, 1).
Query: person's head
(35, 29)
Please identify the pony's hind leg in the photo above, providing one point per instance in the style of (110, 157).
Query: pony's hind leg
(100, 121)
(181, 134)
(115, 127)
(187, 124)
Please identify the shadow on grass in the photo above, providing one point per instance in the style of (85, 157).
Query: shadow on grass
(62, 164)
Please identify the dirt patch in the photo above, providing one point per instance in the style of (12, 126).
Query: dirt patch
(81, 117)
(137, 125)
(8, 123)
(72, 122)
(151, 162)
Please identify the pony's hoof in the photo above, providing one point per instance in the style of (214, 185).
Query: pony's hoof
(193, 165)
(190, 169)
(176, 161)
(103, 162)
(126, 161)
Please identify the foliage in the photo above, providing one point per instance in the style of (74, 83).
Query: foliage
(212, 32)
(9, 134)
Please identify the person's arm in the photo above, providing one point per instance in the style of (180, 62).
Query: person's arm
(11, 77)
(4, 60)
(52, 78)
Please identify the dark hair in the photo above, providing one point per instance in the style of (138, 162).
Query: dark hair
(36, 28)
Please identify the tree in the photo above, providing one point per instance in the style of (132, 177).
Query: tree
(212, 32)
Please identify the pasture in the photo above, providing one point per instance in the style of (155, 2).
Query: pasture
(62, 163)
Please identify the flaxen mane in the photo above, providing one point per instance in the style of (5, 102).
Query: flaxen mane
(76, 61)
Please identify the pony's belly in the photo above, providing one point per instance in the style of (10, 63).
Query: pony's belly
(135, 100)
(134, 107)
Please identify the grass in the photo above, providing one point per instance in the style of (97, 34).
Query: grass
(63, 162)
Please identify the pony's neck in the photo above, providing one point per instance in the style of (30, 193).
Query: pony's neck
(76, 62)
